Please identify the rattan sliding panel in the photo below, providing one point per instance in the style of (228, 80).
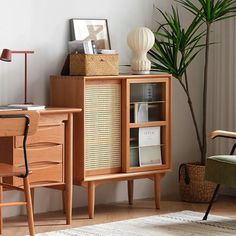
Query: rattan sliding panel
(103, 126)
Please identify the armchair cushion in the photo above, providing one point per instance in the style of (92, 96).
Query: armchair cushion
(221, 169)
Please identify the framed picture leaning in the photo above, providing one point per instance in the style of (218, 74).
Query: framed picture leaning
(91, 29)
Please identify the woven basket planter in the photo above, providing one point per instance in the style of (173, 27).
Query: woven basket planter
(192, 184)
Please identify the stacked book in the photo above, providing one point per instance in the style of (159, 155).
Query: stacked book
(22, 107)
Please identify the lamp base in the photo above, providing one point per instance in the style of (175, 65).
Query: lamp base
(140, 72)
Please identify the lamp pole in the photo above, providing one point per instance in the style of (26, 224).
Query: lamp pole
(26, 78)
(6, 56)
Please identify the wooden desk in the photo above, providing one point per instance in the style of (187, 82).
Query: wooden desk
(50, 153)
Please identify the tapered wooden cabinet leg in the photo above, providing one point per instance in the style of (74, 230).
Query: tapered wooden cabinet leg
(1, 199)
(29, 206)
(91, 199)
(157, 186)
(130, 191)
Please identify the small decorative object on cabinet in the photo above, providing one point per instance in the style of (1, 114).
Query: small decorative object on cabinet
(140, 40)
(109, 141)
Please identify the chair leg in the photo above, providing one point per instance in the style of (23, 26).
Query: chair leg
(29, 206)
(32, 197)
(1, 199)
(211, 202)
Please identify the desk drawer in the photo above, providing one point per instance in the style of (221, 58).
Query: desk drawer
(43, 175)
(40, 154)
(48, 134)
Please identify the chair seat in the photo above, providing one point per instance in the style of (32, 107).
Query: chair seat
(221, 169)
(7, 170)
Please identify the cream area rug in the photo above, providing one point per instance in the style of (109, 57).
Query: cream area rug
(184, 223)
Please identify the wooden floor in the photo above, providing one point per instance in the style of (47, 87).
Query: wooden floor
(225, 206)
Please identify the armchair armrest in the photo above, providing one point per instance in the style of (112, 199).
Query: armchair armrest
(222, 133)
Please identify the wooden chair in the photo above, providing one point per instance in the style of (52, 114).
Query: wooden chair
(221, 169)
(18, 125)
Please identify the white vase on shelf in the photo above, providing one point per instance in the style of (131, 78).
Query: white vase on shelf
(140, 40)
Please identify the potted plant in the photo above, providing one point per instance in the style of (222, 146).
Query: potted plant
(175, 49)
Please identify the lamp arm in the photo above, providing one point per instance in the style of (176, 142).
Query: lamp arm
(21, 52)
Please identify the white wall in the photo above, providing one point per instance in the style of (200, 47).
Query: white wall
(42, 25)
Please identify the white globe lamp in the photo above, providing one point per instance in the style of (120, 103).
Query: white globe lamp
(140, 40)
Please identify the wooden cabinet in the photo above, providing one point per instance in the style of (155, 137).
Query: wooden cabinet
(106, 143)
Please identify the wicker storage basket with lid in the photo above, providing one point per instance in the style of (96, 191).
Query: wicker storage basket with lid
(94, 64)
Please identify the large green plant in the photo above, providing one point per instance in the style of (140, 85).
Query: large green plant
(205, 12)
(175, 49)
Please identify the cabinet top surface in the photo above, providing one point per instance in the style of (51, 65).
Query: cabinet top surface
(121, 76)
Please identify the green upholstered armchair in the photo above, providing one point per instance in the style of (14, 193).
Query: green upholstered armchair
(221, 169)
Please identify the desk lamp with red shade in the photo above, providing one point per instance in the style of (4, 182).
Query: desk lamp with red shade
(7, 56)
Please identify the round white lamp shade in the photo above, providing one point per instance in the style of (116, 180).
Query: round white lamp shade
(140, 40)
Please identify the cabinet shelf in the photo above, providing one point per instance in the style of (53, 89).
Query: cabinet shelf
(148, 168)
(137, 147)
(147, 124)
(149, 102)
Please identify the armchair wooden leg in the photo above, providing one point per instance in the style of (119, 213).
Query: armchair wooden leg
(130, 191)
(29, 206)
(1, 199)
(211, 202)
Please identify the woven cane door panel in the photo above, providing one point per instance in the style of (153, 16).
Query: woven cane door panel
(103, 126)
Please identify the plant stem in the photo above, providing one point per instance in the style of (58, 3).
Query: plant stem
(204, 118)
(186, 90)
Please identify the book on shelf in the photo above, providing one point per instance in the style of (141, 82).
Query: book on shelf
(150, 146)
(150, 155)
(26, 106)
(140, 112)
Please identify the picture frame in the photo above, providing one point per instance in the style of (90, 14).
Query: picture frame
(91, 29)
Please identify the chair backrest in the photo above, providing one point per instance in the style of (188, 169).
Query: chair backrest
(14, 125)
